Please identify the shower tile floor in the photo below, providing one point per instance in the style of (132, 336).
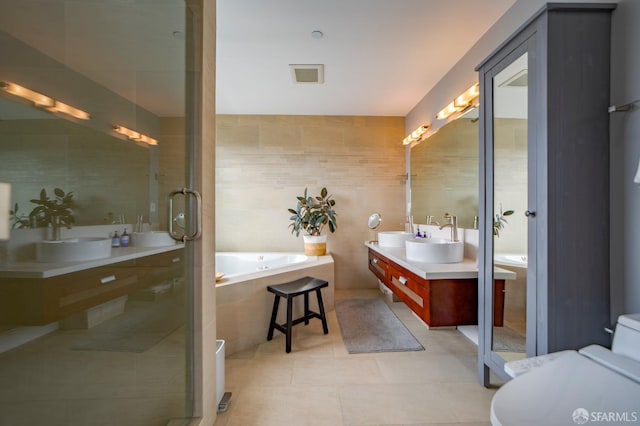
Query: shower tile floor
(320, 383)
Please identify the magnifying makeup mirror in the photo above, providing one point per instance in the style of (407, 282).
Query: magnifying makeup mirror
(373, 223)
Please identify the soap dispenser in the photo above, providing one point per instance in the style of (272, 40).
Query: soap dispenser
(115, 240)
(124, 239)
(418, 234)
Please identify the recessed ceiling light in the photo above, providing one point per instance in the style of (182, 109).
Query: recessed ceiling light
(317, 34)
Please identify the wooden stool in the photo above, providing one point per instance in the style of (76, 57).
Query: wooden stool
(290, 290)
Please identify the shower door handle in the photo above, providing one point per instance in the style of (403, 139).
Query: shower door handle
(197, 232)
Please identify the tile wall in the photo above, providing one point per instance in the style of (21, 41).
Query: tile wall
(264, 162)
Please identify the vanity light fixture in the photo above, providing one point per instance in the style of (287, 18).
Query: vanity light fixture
(69, 110)
(416, 135)
(43, 101)
(38, 99)
(462, 102)
(135, 136)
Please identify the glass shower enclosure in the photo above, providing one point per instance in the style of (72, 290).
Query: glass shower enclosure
(95, 296)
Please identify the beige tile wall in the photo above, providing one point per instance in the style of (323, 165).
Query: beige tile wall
(263, 162)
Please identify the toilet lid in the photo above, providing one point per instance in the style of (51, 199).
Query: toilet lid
(571, 390)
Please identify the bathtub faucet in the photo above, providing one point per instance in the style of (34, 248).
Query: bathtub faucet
(454, 227)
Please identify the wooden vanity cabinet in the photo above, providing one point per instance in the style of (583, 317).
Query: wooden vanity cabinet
(439, 302)
(40, 301)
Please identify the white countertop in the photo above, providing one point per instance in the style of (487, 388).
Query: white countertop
(34, 269)
(468, 268)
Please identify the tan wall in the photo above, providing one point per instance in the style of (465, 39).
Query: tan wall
(263, 162)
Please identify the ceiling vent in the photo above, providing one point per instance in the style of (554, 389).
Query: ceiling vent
(519, 79)
(307, 73)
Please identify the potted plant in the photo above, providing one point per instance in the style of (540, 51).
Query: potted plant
(55, 212)
(312, 215)
(500, 221)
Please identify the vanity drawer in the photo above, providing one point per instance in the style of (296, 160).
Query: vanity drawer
(39, 301)
(71, 293)
(379, 266)
(409, 289)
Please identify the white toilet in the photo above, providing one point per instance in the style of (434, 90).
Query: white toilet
(594, 385)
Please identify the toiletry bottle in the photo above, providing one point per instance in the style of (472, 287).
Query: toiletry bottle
(418, 234)
(124, 239)
(115, 240)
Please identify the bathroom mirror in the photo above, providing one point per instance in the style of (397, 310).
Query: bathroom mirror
(110, 177)
(510, 189)
(444, 173)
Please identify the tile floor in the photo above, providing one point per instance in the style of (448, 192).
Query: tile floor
(320, 383)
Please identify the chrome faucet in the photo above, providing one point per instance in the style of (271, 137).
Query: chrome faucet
(454, 227)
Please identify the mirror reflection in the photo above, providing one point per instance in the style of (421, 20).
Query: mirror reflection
(44, 151)
(444, 173)
(510, 202)
(107, 176)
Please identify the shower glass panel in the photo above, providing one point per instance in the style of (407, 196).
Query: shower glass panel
(510, 203)
(94, 338)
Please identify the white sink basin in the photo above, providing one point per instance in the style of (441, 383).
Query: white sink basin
(151, 239)
(393, 238)
(73, 249)
(434, 250)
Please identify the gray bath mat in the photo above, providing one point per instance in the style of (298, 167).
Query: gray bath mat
(368, 325)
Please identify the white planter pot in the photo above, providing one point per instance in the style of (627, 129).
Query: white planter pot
(315, 245)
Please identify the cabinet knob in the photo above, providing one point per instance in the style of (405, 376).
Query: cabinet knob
(529, 213)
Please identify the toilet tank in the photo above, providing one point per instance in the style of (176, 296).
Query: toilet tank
(626, 339)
